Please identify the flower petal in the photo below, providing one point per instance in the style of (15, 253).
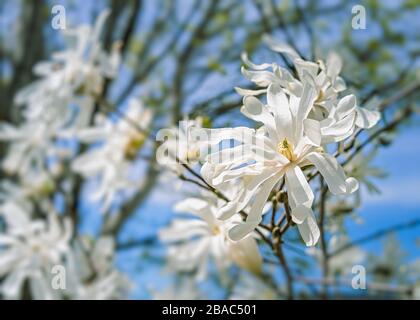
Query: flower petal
(309, 231)
(312, 129)
(250, 187)
(298, 189)
(346, 105)
(300, 214)
(367, 118)
(255, 110)
(277, 100)
(281, 47)
(245, 253)
(332, 172)
(255, 215)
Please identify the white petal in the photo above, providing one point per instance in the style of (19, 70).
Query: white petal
(339, 84)
(182, 230)
(346, 105)
(8, 132)
(277, 100)
(197, 207)
(248, 92)
(300, 214)
(260, 78)
(255, 215)
(339, 130)
(312, 129)
(255, 110)
(305, 105)
(246, 254)
(303, 66)
(249, 187)
(351, 185)
(298, 189)
(331, 170)
(309, 231)
(334, 65)
(367, 118)
(247, 62)
(281, 47)
(12, 285)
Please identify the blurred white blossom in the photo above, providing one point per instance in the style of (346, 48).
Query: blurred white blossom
(192, 242)
(120, 143)
(28, 251)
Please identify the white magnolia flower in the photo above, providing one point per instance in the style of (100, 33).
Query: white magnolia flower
(29, 250)
(179, 146)
(286, 149)
(32, 143)
(111, 162)
(194, 241)
(362, 168)
(78, 70)
(337, 117)
(36, 187)
(91, 274)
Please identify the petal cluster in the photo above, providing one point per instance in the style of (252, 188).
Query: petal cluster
(297, 118)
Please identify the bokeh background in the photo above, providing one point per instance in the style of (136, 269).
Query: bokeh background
(183, 58)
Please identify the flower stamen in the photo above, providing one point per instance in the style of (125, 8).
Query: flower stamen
(285, 148)
(134, 145)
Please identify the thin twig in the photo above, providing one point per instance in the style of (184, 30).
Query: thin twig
(324, 248)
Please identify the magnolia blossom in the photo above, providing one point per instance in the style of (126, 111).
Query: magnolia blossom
(179, 146)
(111, 162)
(38, 187)
(287, 150)
(74, 75)
(31, 144)
(361, 167)
(337, 118)
(194, 241)
(73, 78)
(91, 274)
(29, 250)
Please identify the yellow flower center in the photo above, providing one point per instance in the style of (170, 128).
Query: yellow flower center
(193, 154)
(285, 148)
(320, 97)
(215, 230)
(133, 146)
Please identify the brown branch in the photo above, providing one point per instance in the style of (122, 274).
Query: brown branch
(324, 247)
(286, 270)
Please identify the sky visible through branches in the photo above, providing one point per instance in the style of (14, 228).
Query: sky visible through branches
(177, 77)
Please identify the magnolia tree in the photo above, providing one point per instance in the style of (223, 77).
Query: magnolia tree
(263, 194)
